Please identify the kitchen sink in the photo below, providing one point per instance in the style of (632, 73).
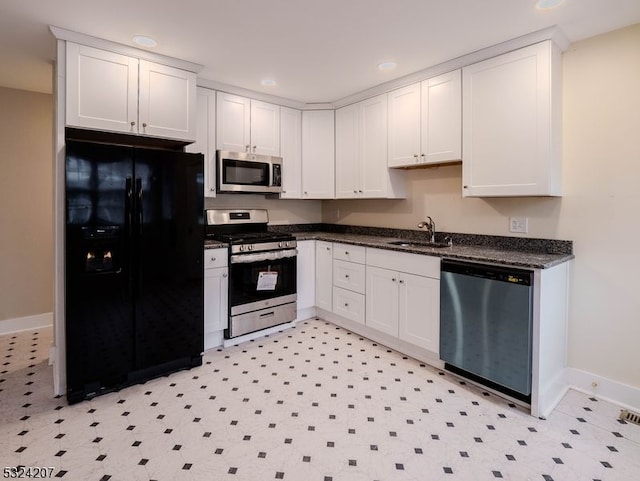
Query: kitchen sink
(406, 243)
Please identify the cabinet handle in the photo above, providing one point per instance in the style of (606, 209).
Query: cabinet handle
(254, 149)
(306, 193)
(465, 186)
(422, 157)
(360, 191)
(144, 125)
(213, 259)
(246, 147)
(415, 156)
(346, 276)
(211, 189)
(393, 279)
(133, 123)
(401, 281)
(346, 304)
(224, 275)
(355, 191)
(328, 248)
(284, 191)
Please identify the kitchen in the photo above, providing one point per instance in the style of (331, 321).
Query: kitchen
(601, 349)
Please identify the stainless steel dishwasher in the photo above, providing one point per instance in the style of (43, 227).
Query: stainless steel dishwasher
(486, 325)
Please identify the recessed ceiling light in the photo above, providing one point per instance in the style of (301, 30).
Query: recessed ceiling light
(387, 65)
(546, 4)
(268, 82)
(144, 41)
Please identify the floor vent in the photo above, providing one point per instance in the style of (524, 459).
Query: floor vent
(629, 416)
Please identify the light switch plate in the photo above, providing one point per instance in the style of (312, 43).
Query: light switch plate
(519, 224)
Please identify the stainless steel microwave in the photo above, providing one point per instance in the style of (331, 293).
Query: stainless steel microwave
(243, 172)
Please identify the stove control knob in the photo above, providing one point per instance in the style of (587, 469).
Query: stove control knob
(250, 247)
(279, 244)
(241, 248)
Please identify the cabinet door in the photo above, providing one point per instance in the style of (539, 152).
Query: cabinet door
(324, 275)
(265, 128)
(102, 89)
(233, 122)
(511, 124)
(306, 274)
(442, 118)
(419, 311)
(382, 300)
(205, 137)
(348, 152)
(167, 102)
(318, 154)
(404, 126)
(374, 173)
(291, 152)
(216, 287)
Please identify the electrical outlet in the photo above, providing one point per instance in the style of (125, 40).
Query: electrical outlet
(519, 224)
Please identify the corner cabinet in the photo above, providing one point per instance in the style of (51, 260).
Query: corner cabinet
(113, 92)
(425, 122)
(318, 154)
(512, 124)
(247, 125)
(361, 152)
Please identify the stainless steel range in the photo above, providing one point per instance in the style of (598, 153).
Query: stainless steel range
(262, 270)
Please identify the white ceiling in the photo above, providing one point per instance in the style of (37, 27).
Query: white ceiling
(317, 51)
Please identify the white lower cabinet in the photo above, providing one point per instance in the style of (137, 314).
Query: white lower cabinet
(324, 275)
(306, 275)
(216, 285)
(403, 297)
(348, 304)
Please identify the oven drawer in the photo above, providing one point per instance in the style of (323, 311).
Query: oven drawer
(349, 275)
(348, 304)
(215, 258)
(349, 253)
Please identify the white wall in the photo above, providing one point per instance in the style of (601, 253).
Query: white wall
(600, 209)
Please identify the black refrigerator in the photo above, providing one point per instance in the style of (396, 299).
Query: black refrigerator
(134, 265)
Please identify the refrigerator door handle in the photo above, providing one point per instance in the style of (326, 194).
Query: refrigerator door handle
(127, 204)
(139, 203)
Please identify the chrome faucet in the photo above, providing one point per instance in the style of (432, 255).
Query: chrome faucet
(430, 225)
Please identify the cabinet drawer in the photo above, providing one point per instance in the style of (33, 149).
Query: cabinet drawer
(349, 275)
(215, 258)
(349, 253)
(417, 264)
(348, 304)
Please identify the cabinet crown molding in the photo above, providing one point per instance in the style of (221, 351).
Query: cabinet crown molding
(90, 41)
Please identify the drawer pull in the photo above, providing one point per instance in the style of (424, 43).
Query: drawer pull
(401, 281)
(393, 279)
(213, 259)
(346, 276)
(346, 304)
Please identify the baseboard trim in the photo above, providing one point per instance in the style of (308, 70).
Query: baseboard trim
(9, 326)
(606, 389)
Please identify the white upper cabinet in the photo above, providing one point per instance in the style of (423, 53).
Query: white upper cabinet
(425, 122)
(291, 152)
(441, 125)
(206, 137)
(511, 130)
(347, 152)
(318, 154)
(361, 152)
(113, 92)
(246, 125)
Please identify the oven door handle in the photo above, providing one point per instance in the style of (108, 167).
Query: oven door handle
(263, 256)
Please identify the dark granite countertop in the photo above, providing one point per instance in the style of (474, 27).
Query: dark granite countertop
(515, 251)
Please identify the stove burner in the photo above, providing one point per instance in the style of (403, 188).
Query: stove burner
(253, 237)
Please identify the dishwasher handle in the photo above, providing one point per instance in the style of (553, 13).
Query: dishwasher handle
(508, 274)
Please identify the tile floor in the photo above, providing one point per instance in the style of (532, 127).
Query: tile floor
(313, 403)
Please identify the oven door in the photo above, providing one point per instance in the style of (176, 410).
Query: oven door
(262, 280)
